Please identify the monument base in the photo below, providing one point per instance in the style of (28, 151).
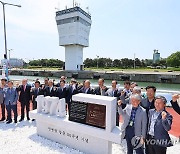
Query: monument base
(88, 139)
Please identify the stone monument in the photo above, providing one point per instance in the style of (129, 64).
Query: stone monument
(89, 127)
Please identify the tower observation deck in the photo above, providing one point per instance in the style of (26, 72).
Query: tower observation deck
(74, 26)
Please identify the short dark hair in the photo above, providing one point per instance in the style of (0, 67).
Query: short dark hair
(101, 79)
(134, 83)
(151, 87)
(63, 81)
(3, 79)
(73, 80)
(115, 81)
(46, 78)
(127, 82)
(37, 82)
(10, 81)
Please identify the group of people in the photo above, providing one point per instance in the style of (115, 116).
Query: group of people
(144, 117)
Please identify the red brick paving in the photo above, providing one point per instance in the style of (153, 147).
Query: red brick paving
(18, 108)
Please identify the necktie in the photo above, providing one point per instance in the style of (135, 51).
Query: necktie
(24, 87)
(37, 90)
(112, 93)
(10, 91)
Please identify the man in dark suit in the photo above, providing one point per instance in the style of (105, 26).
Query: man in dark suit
(63, 78)
(127, 89)
(114, 92)
(160, 122)
(50, 90)
(148, 103)
(43, 86)
(35, 92)
(72, 90)
(174, 103)
(3, 85)
(62, 91)
(101, 89)
(10, 100)
(24, 98)
(86, 89)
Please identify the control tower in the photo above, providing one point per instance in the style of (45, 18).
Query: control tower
(74, 26)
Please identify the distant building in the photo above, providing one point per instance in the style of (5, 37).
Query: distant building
(156, 56)
(13, 62)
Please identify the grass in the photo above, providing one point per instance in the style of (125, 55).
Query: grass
(137, 69)
(106, 69)
(43, 68)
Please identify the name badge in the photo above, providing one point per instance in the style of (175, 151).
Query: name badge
(131, 123)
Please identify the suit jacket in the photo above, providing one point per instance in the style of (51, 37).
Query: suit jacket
(175, 106)
(1, 95)
(140, 124)
(10, 96)
(97, 90)
(35, 92)
(146, 105)
(116, 94)
(57, 85)
(51, 93)
(110, 93)
(161, 128)
(62, 93)
(83, 90)
(72, 91)
(25, 96)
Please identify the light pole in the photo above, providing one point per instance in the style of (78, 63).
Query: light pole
(5, 41)
(97, 60)
(10, 52)
(134, 61)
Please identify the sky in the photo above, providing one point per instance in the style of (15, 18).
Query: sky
(120, 28)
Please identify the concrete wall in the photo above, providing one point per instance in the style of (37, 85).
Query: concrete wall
(144, 77)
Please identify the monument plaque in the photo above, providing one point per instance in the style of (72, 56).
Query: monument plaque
(88, 113)
(78, 112)
(96, 115)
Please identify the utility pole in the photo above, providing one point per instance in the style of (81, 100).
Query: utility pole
(5, 71)
(73, 3)
(97, 60)
(134, 61)
(10, 53)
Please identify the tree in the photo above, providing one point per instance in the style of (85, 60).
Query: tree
(143, 63)
(148, 62)
(90, 62)
(163, 62)
(47, 63)
(117, 63)
(174, 59)
(138, 62)
(127, 63)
